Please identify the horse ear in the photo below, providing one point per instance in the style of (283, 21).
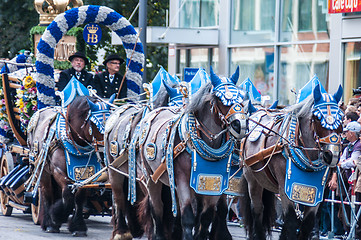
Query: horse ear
(317, 95)
(171, 91)
(338, 94)
(274, 105)
(214, 78)
(235, 76)
(251, 108)
(93, 106)
(111, 99)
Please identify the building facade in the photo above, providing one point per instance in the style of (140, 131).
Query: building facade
(279, 44)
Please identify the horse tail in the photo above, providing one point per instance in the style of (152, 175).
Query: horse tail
(245, 206)
(144, 215)
(269, 210)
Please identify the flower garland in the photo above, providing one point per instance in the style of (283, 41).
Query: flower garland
(4, 122)
(26, 101)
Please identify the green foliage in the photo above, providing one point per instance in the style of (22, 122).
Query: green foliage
(17, 17)
(61, 65)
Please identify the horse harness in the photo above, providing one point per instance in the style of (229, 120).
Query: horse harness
(189, 131)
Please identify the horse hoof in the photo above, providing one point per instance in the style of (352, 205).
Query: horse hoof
(52, 230)
(79, 234)
(124, 236)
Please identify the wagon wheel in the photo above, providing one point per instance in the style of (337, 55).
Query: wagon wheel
(36, 210)
(4, 199)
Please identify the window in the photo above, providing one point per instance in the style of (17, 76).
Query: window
(253, 21)
(297, 20)
(198, 13)
(352, 76)
(299, 63)
(257, 65)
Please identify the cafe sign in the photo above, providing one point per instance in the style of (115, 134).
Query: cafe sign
(344, 6)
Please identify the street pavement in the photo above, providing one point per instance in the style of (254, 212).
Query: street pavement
(20, 226)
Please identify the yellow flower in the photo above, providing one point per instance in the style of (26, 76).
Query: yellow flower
(34, 102)
(28, 82)
(19, 103)
(1, 92)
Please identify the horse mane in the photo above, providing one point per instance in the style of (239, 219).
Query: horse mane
(199, 98)
(162, 98)
(80, 105)
(302, 109)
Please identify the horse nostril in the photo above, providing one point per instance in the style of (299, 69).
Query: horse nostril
(327, 156)
(236, 125)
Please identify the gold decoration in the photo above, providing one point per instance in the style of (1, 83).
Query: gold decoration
(113, 148)
(303, 193)
(234, 185)
(49, 9)
(82, 173)
(209, 183)
(151, 151)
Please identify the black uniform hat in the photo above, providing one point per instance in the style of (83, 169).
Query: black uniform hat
(113, 57)
(80, 55)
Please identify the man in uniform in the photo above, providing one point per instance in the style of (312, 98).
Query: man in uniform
(78, 61)
(109, 81)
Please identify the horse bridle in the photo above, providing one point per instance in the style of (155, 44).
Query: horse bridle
(236, 112)
(330, 143)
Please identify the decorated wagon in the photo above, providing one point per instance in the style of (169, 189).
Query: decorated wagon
(34, 130)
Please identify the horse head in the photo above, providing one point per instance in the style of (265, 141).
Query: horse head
(327, 121)
(228, 104)
(86, 117)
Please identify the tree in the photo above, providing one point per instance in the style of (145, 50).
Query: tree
(17, 17)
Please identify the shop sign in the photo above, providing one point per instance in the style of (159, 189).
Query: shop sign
(189, 73)
(344, 6)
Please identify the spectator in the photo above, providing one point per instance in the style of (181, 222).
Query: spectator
(78, 61)
(109, 81)
(353, 150)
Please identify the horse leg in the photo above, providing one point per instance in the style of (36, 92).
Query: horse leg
(47, 199)
(120, 228)
(156, 210)
(253, 198)
(77, 224)
(219, 227)
(291, 222)
(185, 197)
(136, 229)
(204, 219)
(308, 223)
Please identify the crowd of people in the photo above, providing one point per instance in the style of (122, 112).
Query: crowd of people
(350, 170)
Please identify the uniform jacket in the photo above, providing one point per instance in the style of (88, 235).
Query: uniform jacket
(86, 78)
(105, 88)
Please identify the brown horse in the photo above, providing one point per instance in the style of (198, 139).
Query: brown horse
(304, 136)
(83, 123)
(169, 139)
(119, 134)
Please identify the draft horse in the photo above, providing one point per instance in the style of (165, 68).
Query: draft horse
(169, 140)
(306, 135)
(51, 132)
(119, 138)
